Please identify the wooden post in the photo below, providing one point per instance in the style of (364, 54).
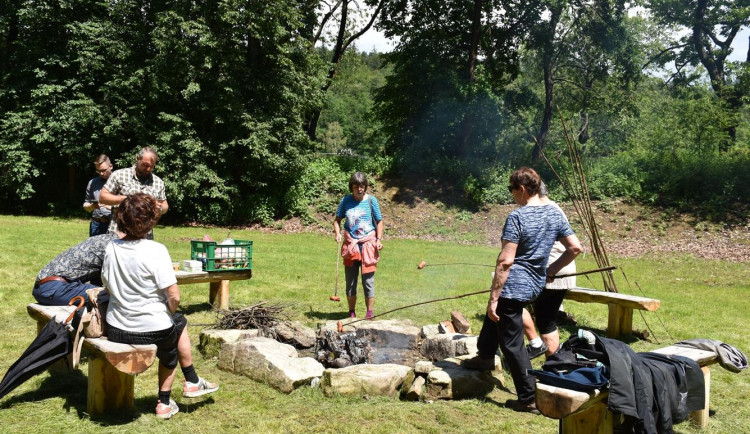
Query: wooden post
(620, 321)
(593, 420)
(109, 389)
(700, 417)
(219, 294)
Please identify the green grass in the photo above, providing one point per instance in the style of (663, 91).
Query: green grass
(700, 298)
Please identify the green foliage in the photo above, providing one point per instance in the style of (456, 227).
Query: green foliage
(220, 90)
(320, 187)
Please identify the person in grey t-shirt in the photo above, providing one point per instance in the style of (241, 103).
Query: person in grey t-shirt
(100, 214)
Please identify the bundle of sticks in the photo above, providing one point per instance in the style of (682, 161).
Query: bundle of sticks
(259, 316)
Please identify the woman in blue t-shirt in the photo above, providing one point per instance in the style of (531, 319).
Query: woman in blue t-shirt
(363, 233)
(521, 272)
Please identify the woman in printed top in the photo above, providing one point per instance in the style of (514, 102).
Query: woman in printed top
(363, 233)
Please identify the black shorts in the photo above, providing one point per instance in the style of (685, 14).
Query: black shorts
(165, 340)
(546, 307)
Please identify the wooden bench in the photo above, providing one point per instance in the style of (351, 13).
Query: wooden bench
(620, 320)
(587, 413)
(112, 367)
(218, 295)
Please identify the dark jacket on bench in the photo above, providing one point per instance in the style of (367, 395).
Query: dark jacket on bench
(653, 391)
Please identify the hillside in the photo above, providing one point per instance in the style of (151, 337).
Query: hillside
(432, 212)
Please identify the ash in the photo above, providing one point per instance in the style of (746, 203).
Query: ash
(339, 350)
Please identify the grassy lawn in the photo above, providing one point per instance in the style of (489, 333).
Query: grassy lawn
(700, 298)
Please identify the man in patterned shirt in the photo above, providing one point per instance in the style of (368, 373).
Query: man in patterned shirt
(136, 179)
(72, 272)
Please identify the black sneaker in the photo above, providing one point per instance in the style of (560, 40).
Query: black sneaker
(536, 352)
(479, 364)
(522, 407)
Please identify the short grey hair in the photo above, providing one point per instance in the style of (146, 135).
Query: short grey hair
(148, 150)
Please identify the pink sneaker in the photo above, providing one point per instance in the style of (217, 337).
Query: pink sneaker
(369, 315)
(164, 411)
(352, 314)
(202, 387)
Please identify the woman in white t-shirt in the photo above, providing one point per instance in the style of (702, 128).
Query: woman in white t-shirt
(144, 296)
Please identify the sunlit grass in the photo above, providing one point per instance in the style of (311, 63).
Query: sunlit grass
(700, 298)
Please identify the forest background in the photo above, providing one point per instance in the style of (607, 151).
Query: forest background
(261, 110)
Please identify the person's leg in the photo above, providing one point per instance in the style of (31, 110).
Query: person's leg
(59, 293)
(536, 345)
(93, 228)
(510, 329)
(486, 348)
(351, 274)
(529, 329)
(546, 308)
(368, 287)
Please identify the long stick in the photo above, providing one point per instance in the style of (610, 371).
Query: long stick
(583, 273)
(340, 326)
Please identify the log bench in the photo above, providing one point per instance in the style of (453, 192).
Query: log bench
(620, 320)
(112, 366)
(587, 413)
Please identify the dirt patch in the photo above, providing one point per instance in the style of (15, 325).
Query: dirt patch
(432, 212)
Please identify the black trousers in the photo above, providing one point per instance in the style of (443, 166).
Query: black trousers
(508, 333)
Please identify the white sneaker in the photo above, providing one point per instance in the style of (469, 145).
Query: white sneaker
(165, 411)
(202, 387)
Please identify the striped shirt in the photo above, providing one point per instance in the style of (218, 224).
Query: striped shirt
(359, 215)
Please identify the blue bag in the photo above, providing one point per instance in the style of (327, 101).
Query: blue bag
(581, 379)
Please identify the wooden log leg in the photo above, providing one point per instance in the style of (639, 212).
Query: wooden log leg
(109, 389)
(593, 420)
(219, 294)
(700, 417)
(620, 321)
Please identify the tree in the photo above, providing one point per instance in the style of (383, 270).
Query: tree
(710, 27)
(344, 37)
(440, 105)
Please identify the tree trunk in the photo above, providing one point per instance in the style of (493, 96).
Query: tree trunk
(476, 28)
(548, 63)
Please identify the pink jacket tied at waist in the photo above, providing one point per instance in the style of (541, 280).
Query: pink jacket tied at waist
(369, 256)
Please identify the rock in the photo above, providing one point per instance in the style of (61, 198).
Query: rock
(460, 323)
(446, 327)
(358, 380)
(270, 362)
(416, 389)
(295, 333)
(443, 346)
(211, 340)
(429, 330)
(451, 381)
(424, 367)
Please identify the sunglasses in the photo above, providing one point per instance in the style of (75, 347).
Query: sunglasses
(511, 188)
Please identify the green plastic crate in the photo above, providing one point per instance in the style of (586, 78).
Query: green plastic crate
(215, 257)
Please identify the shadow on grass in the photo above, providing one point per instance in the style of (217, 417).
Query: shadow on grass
(193, 308)
(69, 385)
(314, 314)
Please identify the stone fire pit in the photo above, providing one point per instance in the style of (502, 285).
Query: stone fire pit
(397, 365)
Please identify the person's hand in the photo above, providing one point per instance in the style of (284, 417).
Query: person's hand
(378, 245)
(338, 238)
(550, 278)
(491, 314)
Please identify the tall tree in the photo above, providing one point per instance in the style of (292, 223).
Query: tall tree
(709, 27)
(348, 31)
(452, 62)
